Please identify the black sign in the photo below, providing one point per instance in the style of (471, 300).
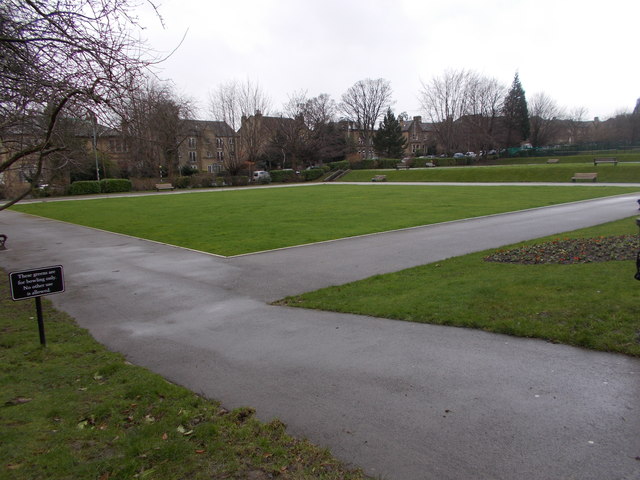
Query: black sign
(36, 283)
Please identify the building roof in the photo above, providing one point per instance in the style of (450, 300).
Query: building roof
(219, 129)
(425, 127)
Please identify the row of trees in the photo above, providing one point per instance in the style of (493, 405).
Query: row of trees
(470, 111)
(315, 133)
(64, 64)
(62, 59)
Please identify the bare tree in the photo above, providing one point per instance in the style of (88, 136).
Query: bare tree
(151, 124)
(482, 110)
(234, 102)
(444, 101)
(364, 103)
(61, 58)
(545, 119)
(321, 140)
(577, 126)
(319, 111)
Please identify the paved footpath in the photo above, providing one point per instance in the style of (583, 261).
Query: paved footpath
(401, 400)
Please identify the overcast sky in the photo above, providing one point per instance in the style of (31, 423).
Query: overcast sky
(582, 53)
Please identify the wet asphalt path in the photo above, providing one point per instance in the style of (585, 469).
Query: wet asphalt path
(400, 400)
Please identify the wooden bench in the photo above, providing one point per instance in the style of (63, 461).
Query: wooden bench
(379, 178)
(585, 176)
(164, 186)
(553, 160)
(403, 166)
(597, 161)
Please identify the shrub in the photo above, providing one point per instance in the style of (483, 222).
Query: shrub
(113, 185)
(313, 174)
(203, 180)
(84, 187)
(341, 165)
(182, 182)
(188, 170)
(237, 180)
(387, 163)
(143, 184)
(368, 164)
(283, 176)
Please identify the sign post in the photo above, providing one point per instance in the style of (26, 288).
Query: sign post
(35, 284)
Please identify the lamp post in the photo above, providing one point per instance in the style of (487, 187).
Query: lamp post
(94, 125)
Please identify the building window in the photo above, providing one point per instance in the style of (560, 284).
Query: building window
(231, 141)
(220, 156)
(219, 142)
(192, 142)
(209, 154)
(118, 145)
(192, 157)
(214, 168)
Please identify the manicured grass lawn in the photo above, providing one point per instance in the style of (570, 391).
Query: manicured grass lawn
(74, 410)
(592, 305)
(620, 155)
(242, 221)
(558, 173)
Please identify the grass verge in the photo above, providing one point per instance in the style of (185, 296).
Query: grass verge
(76, 410)
(558, 173)
(236, 222)
(592, 305)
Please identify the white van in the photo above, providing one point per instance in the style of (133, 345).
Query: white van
(261, 176)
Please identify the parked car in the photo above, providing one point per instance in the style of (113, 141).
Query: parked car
(470, 155)
(458, 155)
(261, 176)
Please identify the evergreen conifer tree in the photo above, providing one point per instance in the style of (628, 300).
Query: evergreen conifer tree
(388, 141)
(516, 113)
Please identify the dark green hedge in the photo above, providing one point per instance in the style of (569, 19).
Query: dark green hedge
(313, 174)
(113, 185)
(387, 162)
(237, 180)
(283, 176)
(368, 164)
(84, 187)
(196, 180)
(108, 185)
(341, 165)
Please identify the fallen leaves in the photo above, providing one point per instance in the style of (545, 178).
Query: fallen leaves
(17, 401)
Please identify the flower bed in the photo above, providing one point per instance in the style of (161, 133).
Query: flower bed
(571, 250)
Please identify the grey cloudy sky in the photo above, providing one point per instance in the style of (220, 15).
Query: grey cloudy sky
(581, 53)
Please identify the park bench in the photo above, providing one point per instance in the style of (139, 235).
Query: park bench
(585, 176)
(553, 160)
(597, 161)
(403, 166)
(164, 186)
(379, 178)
